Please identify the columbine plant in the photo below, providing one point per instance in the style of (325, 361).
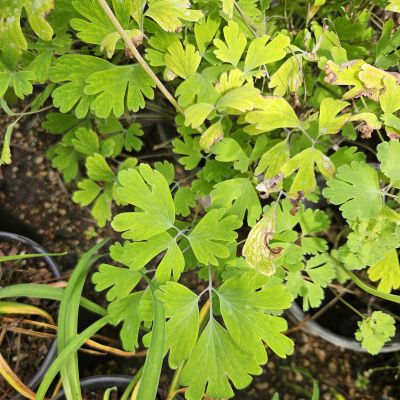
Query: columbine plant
(264, 95)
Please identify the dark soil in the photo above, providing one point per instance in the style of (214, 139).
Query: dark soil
(36, 203)
(23, 352)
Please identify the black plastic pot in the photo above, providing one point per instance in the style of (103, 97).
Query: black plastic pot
(52, 353)
(104, 382)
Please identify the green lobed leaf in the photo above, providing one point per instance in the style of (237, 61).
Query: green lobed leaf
(158, 207)
(215, 358)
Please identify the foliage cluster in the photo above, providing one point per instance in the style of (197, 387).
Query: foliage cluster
(271, 99)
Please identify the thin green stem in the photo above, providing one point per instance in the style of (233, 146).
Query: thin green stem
(140, 59)
(347, 304)
(367, 288)
(130, 387)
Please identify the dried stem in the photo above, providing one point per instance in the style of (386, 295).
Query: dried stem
(139, 58)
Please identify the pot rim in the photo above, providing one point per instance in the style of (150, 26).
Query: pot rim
(51, 355)
(104, 382)
(296, 314)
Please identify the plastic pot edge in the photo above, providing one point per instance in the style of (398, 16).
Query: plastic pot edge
(104, 382)
(52, 353)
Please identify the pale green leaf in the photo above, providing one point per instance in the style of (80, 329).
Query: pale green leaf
(168, 13)
(184, 200)
(304, 162)
(273, 160)
(375, 331)
(122, 280)
(67, 162)
(232, 51)
(211, 136)
(242, 309)
(181, 307)
(86, 142)
(389, 156)
(329, 124)
(101, 210)
(40, 66)
(275, 112)
(356, 187)
(117, 85)
(167, 170)
(98, 169)
(182, 63)
(287, 78)
(190, 149)
(74, 68)
(215, 358)
(211, 230)
(89, 191)
(205, 31)
(237, 196)
(260, 54)
(197, 113)
(387, 271)
(158, 207)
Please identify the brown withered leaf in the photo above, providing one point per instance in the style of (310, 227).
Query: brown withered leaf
(372, 123)
(268, 185)
(295, 201)
(348, 74)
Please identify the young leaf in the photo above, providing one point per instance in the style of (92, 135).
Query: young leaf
(312, 221)
(304, 161)
(228, 150)
(101, 210)
(197, 113)
(184, 199)
(273, 160)
(200, 85)
(99, 26)
(321, 270)
(234, 47)
(257, 250)
(86, 142)
(122, 280)
(389, 156)
(211, 136)
(181, 307)
(386, 44)
(287, 78)
(167, 14)
(127, 310)
(242, 309)
(356, 187)
(390, 98)
(242, 194)
(215, 358)
(205, 31)
(110, 41)
(239, 99)
(189, 148)
(345, 155)
(387, 271)
(113, 84)
(375, 331)
(89, 191)
(260, 54)
(329, 124)
(40, 66)
(67, 161)
(211, 230)
(159, 210)
(74, 68)
(98, 169)
(275, 113)
(166, 169)
(216, 170)
(182, 63)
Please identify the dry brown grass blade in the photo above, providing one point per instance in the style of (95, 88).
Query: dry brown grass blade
(9, 375)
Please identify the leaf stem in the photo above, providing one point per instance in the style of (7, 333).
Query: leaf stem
(347, 304)
(210, 288)
(140, 59)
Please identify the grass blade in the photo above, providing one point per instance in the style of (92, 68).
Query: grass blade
(20, 257)
(9, 307)
(152, 367)
(67, 353)
(68, 321)
(46, 292)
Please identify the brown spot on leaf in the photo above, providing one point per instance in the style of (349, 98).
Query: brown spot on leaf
(394, 136)
(136, 41)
